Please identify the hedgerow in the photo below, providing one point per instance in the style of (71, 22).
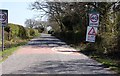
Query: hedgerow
(14, 31)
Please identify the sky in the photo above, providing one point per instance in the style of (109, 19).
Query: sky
(18, 11)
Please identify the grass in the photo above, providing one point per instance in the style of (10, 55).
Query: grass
(6, 53)
(107, 61)
(113, 64)
(9, 51)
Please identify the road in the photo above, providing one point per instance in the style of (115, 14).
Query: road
(49, 55)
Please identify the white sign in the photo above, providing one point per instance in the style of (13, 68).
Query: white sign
(4, 16)
(91, 34)
(93, 19)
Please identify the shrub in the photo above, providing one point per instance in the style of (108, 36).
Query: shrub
(109, 42)
(32, 32)
(36, 32)
(17, 34)
(12, 30)
(28, 32)
(22, 32)
(6, 37)
(15, 31)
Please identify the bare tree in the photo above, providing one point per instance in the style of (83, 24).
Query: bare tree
(58, 10)
(30, 23)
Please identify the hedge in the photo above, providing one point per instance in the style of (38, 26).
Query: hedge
(14, 31)
(32, 32)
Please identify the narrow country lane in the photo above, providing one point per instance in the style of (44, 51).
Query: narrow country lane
(49, 55)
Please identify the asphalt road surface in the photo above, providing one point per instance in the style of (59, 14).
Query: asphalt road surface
(49, 55)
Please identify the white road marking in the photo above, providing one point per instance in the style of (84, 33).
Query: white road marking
(63, 50)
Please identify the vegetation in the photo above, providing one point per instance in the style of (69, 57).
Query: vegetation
(7, 53)
(70, 21)
(37, 24)
(108, 61)
(16, 35)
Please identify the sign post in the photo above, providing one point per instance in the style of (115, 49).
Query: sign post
(2, 38)
(92, 28)
(3, 22)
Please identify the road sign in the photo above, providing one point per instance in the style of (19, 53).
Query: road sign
(92, 31)
(94, 19)
(91, 34)
(3, 22)
(4, 17)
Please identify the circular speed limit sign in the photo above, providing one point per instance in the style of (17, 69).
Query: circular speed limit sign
(4, 16)
(94, 18)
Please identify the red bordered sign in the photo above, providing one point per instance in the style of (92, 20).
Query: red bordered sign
(91, 34)
(93, 19)
(92, 31)
(4, 16)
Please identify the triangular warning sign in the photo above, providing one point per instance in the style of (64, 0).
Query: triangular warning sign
(92, 31)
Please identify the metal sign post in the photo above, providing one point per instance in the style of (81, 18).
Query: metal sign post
(4, 22)
(2, 38)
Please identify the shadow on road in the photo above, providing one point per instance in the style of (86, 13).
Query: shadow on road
(83, 66)
(54, 63)
(49, 41)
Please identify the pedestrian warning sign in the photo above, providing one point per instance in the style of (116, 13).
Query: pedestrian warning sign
(91, 34)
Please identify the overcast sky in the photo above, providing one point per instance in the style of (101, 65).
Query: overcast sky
(18, 11)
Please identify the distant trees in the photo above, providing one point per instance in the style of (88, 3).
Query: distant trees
(30, 23)
(59, 11)
(52, 9)
(40, 26)
(37, 24)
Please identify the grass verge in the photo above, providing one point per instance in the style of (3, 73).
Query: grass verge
(107, 61)
(112, 64)
(111, 61)
(4, 55)
(9, 51)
